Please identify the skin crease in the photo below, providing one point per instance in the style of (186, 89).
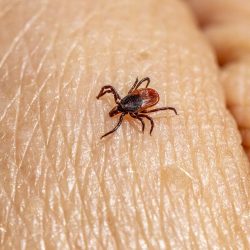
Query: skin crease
(61, 187)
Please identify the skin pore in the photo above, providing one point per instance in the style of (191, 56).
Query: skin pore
(184, 187)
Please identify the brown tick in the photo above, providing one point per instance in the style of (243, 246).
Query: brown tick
(135, 103)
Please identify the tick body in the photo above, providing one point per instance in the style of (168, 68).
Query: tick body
(135, 103)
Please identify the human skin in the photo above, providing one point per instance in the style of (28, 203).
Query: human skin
(61, 187)
(226, 26)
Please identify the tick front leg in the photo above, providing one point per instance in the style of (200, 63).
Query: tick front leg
(137, 84)
(109, 89)
(116, 127)
(159, 109)
(150, 119)
(140, 119)
(134, 86)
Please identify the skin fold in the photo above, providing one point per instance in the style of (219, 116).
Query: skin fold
(184, 187)
(226, 25)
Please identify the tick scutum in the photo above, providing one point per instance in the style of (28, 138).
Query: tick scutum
(131, 103)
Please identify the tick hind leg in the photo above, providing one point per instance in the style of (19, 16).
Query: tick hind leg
(109, 89)
(138, 118)
(150, 119)
(137, 84)
(116, 127)
(159, 109)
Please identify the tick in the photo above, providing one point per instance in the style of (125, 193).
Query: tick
(135, 103)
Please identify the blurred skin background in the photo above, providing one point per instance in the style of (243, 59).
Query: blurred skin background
(184, 187)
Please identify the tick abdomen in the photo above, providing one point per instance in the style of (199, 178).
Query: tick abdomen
(149, 96)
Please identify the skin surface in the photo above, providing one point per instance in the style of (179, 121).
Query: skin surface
(184, 187)
(226, 25)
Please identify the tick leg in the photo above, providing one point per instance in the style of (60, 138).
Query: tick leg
(116, 127)
(109, 89)
(146, 79)
(150, 119)
(137, 84)
(159, 109)
(140, 119)
(134, 85)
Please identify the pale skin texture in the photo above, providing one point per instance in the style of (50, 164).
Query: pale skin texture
(61, 187)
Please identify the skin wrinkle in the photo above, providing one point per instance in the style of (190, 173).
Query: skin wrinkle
(46, 144)
(175, 217)
(69, 137)
(61, 76)
(92, 207)
(19, 36)
(46, 53)
(202, 232)
(28, 145)
(23, 67)
(180, 241)
(108, 211)
(65, 219)
(37, 94)
(17, 211)
(8, 106)
(26, 59)
(224, 180)
(181, 169)
(13, 193)
(88, 220)
(191, 160)
(161, 206)
(140, 220)
(162, 215)
(6, 9)
(109, 216)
